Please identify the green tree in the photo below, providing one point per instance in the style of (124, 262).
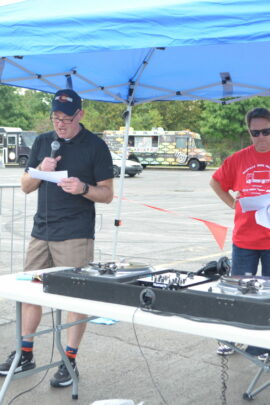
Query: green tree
(223, 127)
(27, 109)
(38, 104)
(178, 115)
(12, 110)
(145, 117)
(101, 116)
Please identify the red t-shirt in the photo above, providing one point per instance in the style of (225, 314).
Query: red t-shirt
(248, 172)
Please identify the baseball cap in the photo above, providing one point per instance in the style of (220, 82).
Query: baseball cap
(66, 101)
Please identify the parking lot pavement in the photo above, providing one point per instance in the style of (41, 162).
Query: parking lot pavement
(136, 362)
(156, 366)
(157, 219)
(156, 213)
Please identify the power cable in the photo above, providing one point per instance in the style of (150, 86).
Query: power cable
(224, 379)
(145, 359)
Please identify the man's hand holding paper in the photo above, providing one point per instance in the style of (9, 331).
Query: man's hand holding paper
(260, 204)
(54, 176)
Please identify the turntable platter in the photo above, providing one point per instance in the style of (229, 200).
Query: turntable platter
(117, 269)
(245, 284)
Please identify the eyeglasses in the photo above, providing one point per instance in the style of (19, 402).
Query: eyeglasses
(256, 132)
(56, 120)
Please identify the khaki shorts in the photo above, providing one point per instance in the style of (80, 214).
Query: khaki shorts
(68, 253)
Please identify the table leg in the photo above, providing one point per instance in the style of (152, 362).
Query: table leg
(63, 354)
(58, 328)
(15, 362)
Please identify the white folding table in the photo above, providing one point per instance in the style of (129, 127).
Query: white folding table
(26, 291)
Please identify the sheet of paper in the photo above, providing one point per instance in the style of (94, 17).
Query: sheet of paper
(254, 203)
(54, 177)
(262, 217)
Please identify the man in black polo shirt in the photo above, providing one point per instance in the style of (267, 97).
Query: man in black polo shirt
(64, 224)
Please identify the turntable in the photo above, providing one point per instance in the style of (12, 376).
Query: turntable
(253, 286)
(98, 281)
(113, 271)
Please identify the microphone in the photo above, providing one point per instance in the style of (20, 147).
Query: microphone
(55, 145)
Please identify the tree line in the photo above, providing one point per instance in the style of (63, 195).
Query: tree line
(222, 127)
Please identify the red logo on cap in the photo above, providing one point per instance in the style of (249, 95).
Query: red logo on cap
(63, 98)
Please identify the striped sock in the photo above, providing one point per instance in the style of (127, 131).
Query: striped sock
(27, 348)
(71, 352)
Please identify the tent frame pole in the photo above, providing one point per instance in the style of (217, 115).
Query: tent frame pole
(117, 221)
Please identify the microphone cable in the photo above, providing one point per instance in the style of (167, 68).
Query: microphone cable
(55, 145)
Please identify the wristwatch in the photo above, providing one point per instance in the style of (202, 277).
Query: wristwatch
(85, 189)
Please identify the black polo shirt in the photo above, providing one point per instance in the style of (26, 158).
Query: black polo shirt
(60, 215)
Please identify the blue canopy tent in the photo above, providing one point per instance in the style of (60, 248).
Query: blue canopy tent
(137, 51)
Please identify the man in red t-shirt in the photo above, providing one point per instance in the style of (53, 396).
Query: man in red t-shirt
(247, 173)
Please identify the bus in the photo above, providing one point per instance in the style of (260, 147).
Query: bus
(161, 148)
(15, 146)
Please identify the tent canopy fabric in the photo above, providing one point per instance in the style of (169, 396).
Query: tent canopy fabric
(138, 51)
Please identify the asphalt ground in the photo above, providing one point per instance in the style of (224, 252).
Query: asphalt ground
(131, 361)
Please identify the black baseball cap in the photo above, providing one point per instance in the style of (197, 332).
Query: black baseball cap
(66, 101)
